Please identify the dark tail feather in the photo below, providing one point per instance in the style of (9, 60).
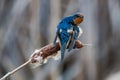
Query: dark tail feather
(55, 39)
(62, 56)
(72, 43)
(63, 48)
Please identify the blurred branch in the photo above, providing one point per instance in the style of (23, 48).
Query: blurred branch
(44, 53)
(15, 70)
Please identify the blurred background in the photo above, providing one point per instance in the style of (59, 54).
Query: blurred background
(26, 25)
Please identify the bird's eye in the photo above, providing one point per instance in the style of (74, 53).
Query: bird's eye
(77, 16)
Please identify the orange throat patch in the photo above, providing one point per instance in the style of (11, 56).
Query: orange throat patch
(77, 21)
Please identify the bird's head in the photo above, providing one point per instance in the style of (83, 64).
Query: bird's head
(78, 18)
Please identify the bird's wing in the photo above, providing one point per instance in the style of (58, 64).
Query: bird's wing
(72, 42)
(75, 35)
(64, 38)
(56, 36)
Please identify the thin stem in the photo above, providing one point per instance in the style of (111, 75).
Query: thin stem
(15, 70)
(87, 44)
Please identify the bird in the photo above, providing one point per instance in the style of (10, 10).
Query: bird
(67, 32)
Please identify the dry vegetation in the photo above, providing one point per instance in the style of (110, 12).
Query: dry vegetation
(26, 25)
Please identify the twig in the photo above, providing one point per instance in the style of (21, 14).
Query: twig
(87, 44)
(15, 70)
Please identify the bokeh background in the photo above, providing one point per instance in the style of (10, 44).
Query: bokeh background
(26, 25)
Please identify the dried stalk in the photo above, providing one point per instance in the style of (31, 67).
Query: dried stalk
(15, 70)
(44, 53)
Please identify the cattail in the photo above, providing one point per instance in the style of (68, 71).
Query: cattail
(42, 55)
